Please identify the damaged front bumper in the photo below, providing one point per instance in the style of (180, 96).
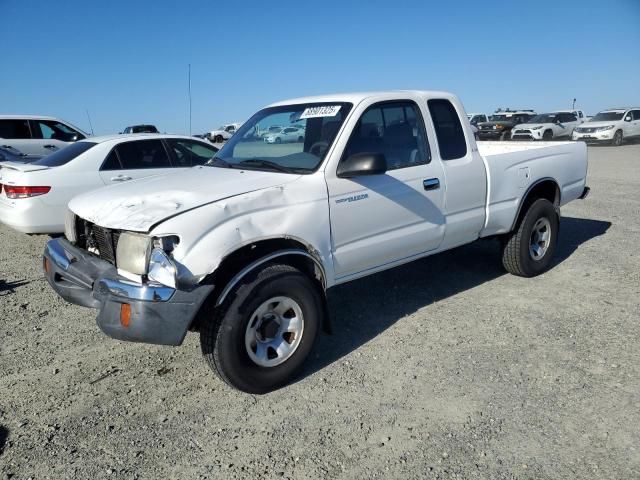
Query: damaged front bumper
(156, 314)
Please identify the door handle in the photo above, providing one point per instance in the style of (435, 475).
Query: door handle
(50, 146)
(120, 178)
(431, 184)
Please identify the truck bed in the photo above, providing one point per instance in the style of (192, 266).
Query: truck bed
(513, 168)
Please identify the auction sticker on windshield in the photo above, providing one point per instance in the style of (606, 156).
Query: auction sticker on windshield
(323, 111)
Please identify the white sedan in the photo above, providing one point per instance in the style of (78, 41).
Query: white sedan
(285, 135)
(34, 196)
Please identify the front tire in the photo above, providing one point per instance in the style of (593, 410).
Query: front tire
(528, 251)
(218, 139)
(618, 138)
(261, 335)
(547, 136)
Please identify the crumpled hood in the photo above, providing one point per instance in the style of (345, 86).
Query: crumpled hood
(140, 204)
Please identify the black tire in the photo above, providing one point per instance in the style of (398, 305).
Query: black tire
(516, 256)
(547, 135)
(218, 139)
(505, 136)
(222, 340)
(278, 140)
(300, 139)
(618, 138)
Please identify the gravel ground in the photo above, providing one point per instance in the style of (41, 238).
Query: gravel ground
(445, 368)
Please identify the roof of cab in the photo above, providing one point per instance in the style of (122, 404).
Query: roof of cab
(358, 97)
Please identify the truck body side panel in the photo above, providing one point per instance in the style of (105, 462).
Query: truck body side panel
(514, 168)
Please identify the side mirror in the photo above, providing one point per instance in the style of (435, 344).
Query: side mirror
(359, 164)
(627, 118)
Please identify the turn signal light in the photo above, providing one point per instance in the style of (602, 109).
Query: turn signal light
(13, 191)
(125, 314)
(46, 265)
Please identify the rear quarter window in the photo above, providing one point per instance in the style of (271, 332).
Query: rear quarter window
(449, 132)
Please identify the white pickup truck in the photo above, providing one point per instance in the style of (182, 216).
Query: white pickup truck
(243, 249)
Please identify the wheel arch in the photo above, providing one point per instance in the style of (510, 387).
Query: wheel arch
(237, 264)
(546, 188)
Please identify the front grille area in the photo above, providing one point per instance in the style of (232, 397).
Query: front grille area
(97, 240)
(585, 130)
(528, 132)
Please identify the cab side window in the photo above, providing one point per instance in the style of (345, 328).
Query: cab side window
(14, 129)
(636, 114)
(142, 154)
(449, 133)
(394, 129)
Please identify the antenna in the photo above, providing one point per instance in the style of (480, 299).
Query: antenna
(573, 107)
(189, 99)
(89, 118)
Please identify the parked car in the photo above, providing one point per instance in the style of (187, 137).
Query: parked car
(546, 126)
(223, 133)
(285, 135)
(34, 195)
(580, 115)
(612, 126)
(476, 118)
(244, 248)
(35, 135)
(140, 129)
(500, 124)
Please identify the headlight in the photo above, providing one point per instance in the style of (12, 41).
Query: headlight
(494, 127)
(537, 128)
(162, 269)
(608, 127)
(70, 226)
(132, 252)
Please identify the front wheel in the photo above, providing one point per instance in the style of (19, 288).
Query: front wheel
(617, 139)
(261, 335)
(528, 251)
(218, 139)
(547, 135)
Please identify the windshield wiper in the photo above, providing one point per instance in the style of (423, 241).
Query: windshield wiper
(259, 162)
(218, 162)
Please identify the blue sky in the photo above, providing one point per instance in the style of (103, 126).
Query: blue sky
(126, 62)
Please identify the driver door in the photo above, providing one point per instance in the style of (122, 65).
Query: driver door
(385, 218)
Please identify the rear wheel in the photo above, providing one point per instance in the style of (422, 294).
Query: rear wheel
(260, 337)
(618, 138)
(528, 251)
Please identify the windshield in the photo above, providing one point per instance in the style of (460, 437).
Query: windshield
(607, 116)
(65, 155)
(501, 118)
(289, 138)
(544, 118)
(144, 129)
